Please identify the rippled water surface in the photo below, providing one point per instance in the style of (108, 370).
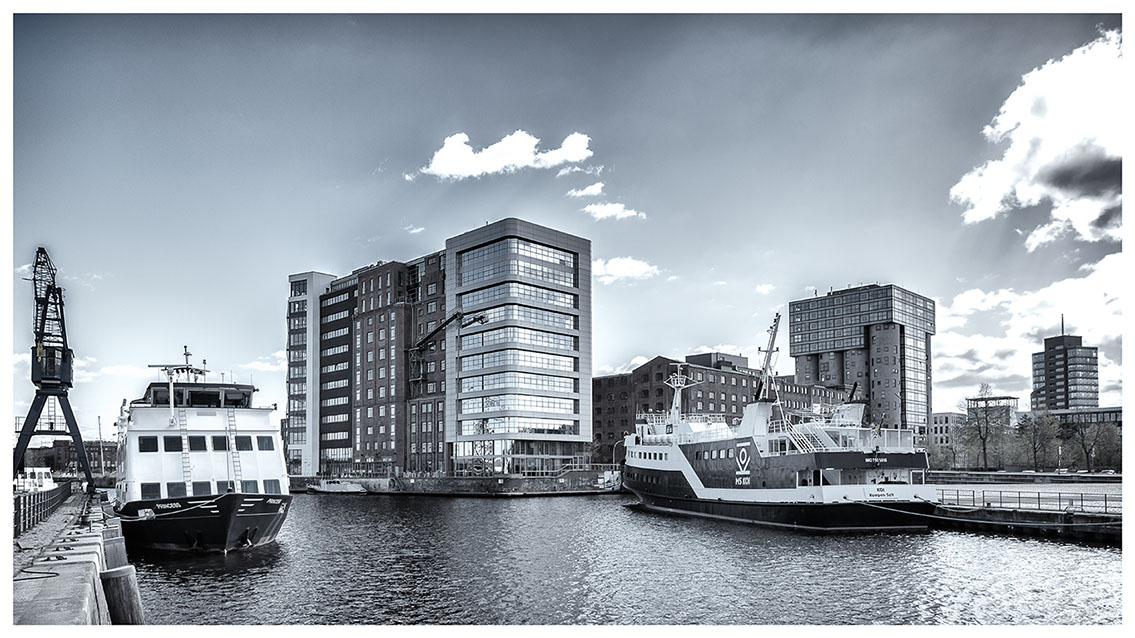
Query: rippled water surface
(386, 559)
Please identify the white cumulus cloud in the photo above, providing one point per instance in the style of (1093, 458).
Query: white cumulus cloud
(619, 268)
(589, 170)
(967, 354)
(457, 160)
(1064, 128)
(611, 211)
(276, 362)
(764, 289)
(588, 191)
(413, 230)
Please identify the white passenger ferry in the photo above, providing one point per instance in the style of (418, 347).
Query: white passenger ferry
(821, 473)
(199, 468)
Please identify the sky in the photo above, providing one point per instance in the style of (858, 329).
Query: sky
(179, 167)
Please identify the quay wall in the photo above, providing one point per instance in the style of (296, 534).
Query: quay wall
(571, 483)
(60, 566)
(1076, 526)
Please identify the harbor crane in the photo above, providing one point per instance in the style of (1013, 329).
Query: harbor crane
(417, 351)
(51, 366)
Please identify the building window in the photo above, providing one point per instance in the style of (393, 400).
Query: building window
(147, 444)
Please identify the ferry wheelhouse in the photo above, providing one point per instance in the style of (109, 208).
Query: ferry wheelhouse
(820, 472)
(199, 468)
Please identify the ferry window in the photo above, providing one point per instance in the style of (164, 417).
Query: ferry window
(197, 444)
(272, 486)
(161, 396)
(147, 444)
(205, 399)
(244, 443)
(220, 444)
(224, 486)
(264, 443)
(151, 490)
(248, 487)
(730, 452)
(713, 454)
(172, 443)
(697, 456)
(236, 399)
(202, 488)
(175, 490)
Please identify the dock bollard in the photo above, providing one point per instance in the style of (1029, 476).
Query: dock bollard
(115, 551)
(122, 597)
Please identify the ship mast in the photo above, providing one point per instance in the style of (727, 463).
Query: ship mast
(678, 381)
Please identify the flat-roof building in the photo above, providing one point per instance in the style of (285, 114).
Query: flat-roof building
(468, 360)
(876, 336)
(1065, 375)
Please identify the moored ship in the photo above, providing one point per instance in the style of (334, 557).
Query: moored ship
(823, 472)
(199, 468)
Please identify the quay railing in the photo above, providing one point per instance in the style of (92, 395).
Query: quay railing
(29, 508)
(1042, 501)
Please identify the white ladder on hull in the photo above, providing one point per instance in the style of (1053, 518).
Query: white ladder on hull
(234, 454)
(186, 466)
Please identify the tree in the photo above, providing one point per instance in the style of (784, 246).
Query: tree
(980, 428)
(1036, 436)
(1092, 438)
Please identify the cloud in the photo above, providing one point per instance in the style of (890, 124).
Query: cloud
(24, 270)
(1013, 326)
(618, 268)
(276, 362)
(456, 159)
(720, 283)
(609, 210)
(764, 289)
(672, 278)
(1064, 127)
(589, 191)
(590, 170)
(622, 369)
(413, 230)
(86, 280)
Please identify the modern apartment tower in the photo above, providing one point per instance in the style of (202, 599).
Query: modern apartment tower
(876, 336)
(301, 428)
(1065, 375)
(469, 360)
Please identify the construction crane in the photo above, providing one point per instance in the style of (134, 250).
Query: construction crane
(415, 352)
(51, 365)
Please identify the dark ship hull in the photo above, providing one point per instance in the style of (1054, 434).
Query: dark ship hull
(204, 523)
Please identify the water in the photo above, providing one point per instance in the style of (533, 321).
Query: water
(590, 560)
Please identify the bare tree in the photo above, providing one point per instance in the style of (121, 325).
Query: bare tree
(1036, 435)
(984, 425)
(1090, 437)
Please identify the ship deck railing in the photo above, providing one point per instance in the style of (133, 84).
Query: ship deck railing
(663, 418)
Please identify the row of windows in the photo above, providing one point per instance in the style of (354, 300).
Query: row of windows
(334, 367)
(332, 385)
(518, 425)
(334, 333)
(713, 454)
(522, 380)
(334, 300)
(518, 358)
(199, 443)
(334, 418)
(533, 315)
(519, 291)
(520, 268)
(342, 314)
(334, 401)
(151, 491)
(649, 456)
(514, 334)
(327, 352)
(517, 246)
(527, 402)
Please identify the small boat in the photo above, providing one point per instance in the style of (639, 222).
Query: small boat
(34, 479)
(199, 468)
(336, 486)
(803, 471)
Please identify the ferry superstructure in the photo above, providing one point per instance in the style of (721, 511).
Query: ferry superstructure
(199, 468)
(822, 472)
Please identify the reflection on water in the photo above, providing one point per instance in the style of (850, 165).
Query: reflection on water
(575, 560)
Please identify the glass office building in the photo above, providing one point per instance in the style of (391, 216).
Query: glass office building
(521, 377)
(1065, 375)
(875, 338)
